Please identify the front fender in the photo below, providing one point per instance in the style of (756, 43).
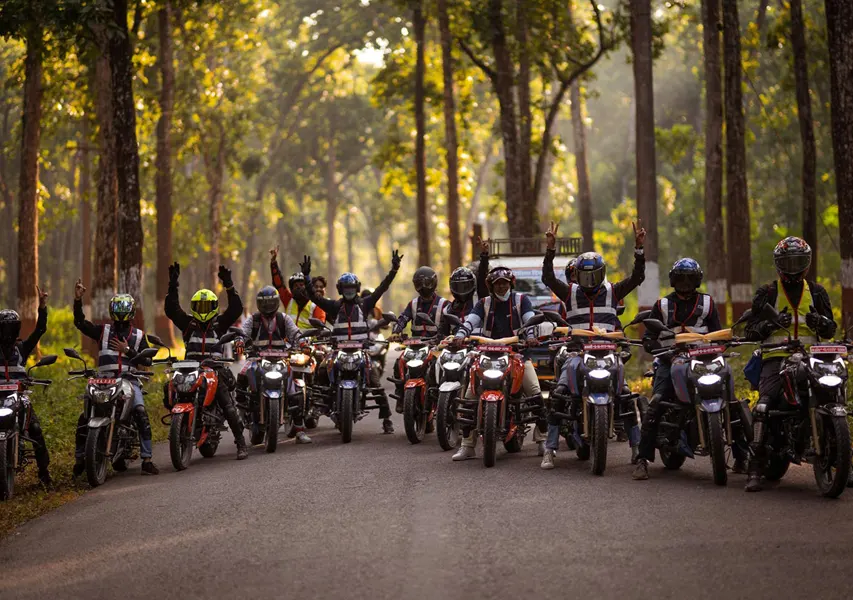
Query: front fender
(183, 407)
(98, 422)
(832, 410)
(349, 384)
(272, 394)
(492, 396)
(599, 399)
(450, 386)
(712, 405)
(415, 383)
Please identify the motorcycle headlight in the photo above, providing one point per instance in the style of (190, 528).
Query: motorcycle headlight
(299, 360)
(101, 396)
(599, 374)
(709, 379)
(493, 375)
(830, 381)
(5, 412)
(702, 368)
(415, 363)
(273, 377)
(185, 381)
(452, 366)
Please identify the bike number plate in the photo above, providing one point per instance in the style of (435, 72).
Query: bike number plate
(272, 353)
(600, 347)
(9, 387)
(705, 351)
(349, 345)
(828, 350)
(414, 342)
(102, 381)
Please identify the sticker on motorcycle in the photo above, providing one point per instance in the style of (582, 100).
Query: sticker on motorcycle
(272, 353)
(493, 348)
(9, 387)
(102, 381)
(705, 351)
(349, 345)
(599, 347)
(827, 350)
(414, 342)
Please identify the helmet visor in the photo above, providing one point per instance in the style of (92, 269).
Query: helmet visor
(204, 308)
(121, 309)
(685, 282)
(349, 292)
(9, 331)
(590, 279)
(268, 304)
(463, 287)
(793, 264)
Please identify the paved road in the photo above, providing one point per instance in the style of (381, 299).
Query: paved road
(378, 518)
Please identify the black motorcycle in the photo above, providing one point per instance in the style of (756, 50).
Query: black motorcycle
(14, 426)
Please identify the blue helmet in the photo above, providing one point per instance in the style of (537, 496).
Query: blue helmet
(685, 275)
(348, 286)
(590, 270)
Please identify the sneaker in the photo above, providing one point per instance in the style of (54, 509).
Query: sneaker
(302, 438)
(753, 483)
(465, 453)
(540, 449)
(79, 467)
(149, 468)
(641, 472)
(548, 459)
(635, 455)
(387, 426)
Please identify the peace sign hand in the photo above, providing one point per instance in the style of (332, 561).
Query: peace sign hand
(551, 235)
(305, 265)
(484, 245)
(639, 233)
(42, 297)
(274, 254)
(79, 290)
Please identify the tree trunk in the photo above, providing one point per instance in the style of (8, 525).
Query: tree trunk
(83, 193)
(28, 258)
(839, 19)
(525, 115)
(451, 143)
(249, 254)
(715, 264)
(738, 219)
(331, 212)
(162, 325)
(584, 191)
(215, 174)
(130, 242)
(9, 250)
(543, 190)
(804, 112)
(419, 22)
(350, 234)
(641, 34)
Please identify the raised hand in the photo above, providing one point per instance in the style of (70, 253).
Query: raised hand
(43, 297)
(551, 235)
(79, 290)
(483, 244)
(225, 277)
(396, 257)
(174, 272)
(305, 265)
(274, 254)
(639, 234)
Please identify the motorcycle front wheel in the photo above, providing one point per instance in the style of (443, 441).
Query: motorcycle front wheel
(832, 467)
(180, 441)
(446, 427)
(345, 416)
(96, 456)
(717, 448)
(7, 470)
(414, 418)
(490, 433)
(600, 432)
(273, 413)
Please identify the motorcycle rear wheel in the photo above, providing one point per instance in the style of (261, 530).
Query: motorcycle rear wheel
(414, 419)
(777, 466)
(600, 431)
(490, 433)
(273, 414)
(446, 427)
(832, 468)
(180, 442)
(671, 460)
(345, 416)
(7, 471)
(96, 459)
(717, 448)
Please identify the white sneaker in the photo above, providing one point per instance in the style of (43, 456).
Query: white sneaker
(540, 450)
(548, 460)
(302, 438)
(465, 453)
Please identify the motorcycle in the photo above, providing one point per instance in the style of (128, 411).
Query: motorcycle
(14, 426)
(302, 366)
(108, 401)
(701, 418)
(196, 418)
(269, 396)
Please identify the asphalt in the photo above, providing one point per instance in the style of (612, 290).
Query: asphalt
(379, 518)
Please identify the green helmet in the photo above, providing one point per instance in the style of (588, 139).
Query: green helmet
(122, 307)
(204, 305)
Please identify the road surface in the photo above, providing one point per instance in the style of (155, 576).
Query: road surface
(379, 518)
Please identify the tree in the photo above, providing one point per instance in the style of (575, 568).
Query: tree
(419, 22)
(451, 145)
(839, 20)
(804, 113)
(641, 36)
(737, 199)
(584, 190)
(714, 233)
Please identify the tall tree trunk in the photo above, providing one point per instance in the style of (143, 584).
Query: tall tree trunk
(104, 272)
(215, 173)
(738, 219)
(839, 19)
(451, 143)
(350, 234)
(641, 34)
(584, 190)
(715, 268)
(525, 115)
(804, 112)
(543, 195)
(7, 228)
(331, 212)
(83, 193)
(28, 258)
(162, 325)
(130, 241)
(419, 23)
(249, 254)
(483, 175)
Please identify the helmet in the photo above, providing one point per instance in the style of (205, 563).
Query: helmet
(296, 278)
(792, 256)
(590, 269)
(348, 282)
(685, 276)
(462, 283)
(122, 308)
(10, 327)
(268, 300)
(366, 292)
(571, 270)
(498, 273)
(204, 306)
(425, 280)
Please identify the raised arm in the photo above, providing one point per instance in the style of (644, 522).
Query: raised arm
(278, 279)
(483, 270)
(235, 305)
(172, 305)
(560, 288)
(373, 298)
(331, 307)
(90, 330)
(32, 341)
(638, 273)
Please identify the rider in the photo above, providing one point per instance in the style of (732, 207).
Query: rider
(116, 340)
(294, 296)
(463, 284)
(805, 309)
(500, 315)
(350, 314)
(592, 302)
(270, 329)
(684, 310)
(319, 284)
(14, 353)
(201, 332)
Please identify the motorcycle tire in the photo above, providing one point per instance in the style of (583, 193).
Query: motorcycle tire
(515, 444)
(777, 467)
(671, 460)
(271, 426)
(120, 465)
(345, 416)
(717, 448)
(600, 432)
(414, 418)
(832, 467)
(7, 471)
(96, 456)
(311, 422)
(490, 434)
(180, 442)
(208, 449)
(446, 427)
(583, 451)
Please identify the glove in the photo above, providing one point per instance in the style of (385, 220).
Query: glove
(560, 390)
(174, 273)
(305, 265)
(531, 342)
(456, 343)
(225, 277)
(785, 319)
(816, 321)
(395, 260)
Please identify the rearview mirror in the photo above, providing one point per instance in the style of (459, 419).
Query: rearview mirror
(453, 319)
(72, 353)
(654, 326)
(228, 338)
(555, 317)
(46, 360)
(389, 316)
(640, 317)
(155, 341)
(426, 318)
(746, 316)
(315, 322)
(535, 320)
(144, 355)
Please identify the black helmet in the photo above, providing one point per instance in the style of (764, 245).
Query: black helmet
(793, 257)
(498, 273)
(685, 276)
(348, 282)
(462, 283)
(571, 271)
(425, 280)
(268, 300)
(296, 278)
(591, 270)
(10, 327)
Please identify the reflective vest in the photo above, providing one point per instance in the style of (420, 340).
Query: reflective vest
(351, 323)
(434, 309)
(268, 333)
(514, 314)
(202, 342)
(300, 317)
(15, 367)
(462, 311)
(109, 359)
(695, 322)
(799, 329)
(596, 311)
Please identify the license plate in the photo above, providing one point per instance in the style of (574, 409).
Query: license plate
(493, 348)
(9, 387)
(273, 353)
(828, 350)
(599, 348)
(414, 343)
(349, 345)
(705, 351)
(102, 381)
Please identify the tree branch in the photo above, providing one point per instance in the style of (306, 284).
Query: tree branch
(483, 66)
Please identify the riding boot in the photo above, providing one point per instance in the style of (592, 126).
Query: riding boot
(144, 427)
(753, 478)
(236, 426)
